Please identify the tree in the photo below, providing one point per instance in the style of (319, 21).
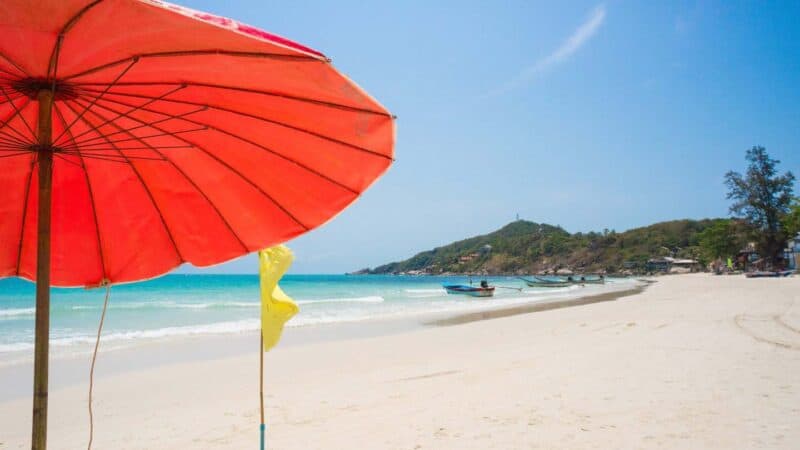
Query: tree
(762, 197)
(720, 240)
(791, 221)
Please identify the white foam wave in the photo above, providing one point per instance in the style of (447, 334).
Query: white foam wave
(548, 290)
(232, 327)
(17, 312)
(368, 299)
(140, 305)
(16, 347)
(425, 293)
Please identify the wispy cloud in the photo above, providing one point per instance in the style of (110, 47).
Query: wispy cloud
(572, 44)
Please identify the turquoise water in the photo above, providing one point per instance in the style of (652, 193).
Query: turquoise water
(185, 305)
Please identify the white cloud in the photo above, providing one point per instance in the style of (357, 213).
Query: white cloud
(572, 44)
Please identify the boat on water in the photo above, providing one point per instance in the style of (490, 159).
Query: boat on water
(573, 279)
(544, 282)
(473, 291)
(584, 280)
(761, 274)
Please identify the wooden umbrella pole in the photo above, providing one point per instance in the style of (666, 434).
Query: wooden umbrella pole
(42, 336)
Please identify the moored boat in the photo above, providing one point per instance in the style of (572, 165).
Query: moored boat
(572, 279)
(473, 291)
(544, 282)
(763, 274)
(584, 280)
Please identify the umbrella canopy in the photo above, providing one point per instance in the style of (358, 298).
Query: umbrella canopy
(136, 135)
(177, 136)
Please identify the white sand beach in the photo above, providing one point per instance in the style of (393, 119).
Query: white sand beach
(695, 361)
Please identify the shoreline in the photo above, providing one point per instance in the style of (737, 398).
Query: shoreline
(117, 341)
(153, 353)
(535, 307)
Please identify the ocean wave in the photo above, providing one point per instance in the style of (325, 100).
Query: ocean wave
(368, 299)
(17, 312)
(548, 290)
(168, 305)
(218, 328)
(16, 347)
(231, 327)
(425, 293)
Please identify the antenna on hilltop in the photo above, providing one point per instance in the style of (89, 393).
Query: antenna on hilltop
(517, 216)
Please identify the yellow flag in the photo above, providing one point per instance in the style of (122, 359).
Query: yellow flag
(276, 306)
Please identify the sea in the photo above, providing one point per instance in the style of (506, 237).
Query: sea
(185, 305)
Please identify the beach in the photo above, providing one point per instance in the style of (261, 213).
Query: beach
(691, 361)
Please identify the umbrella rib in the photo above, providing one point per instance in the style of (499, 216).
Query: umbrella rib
(154, 99)
(66, 160)
(25, 211)
(125, 130)
(10, 138)
(86, 143)
(52, 68)
(110, 157)
(144, 185)
(262, 119)
(115, 148)
(11, 74)
(188, 179)
(6, 147)
(229, 167)
(18, 112)
(252, 91)
(95, 99)
(11, 141)
(16, 66)
(10, 155)
(259, 146)
(60, 115)
(111, 64)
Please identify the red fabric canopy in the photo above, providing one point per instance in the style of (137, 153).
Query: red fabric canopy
(179, 136)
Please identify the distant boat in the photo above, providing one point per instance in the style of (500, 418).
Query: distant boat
(784, 273)
(544, 282)
(473, 291)
(573, 279)
(584, 280)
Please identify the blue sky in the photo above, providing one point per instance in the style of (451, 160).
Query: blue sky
(584, 114)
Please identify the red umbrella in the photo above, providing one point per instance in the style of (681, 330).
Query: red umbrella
(136, 135)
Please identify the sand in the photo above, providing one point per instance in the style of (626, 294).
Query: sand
(694, 361)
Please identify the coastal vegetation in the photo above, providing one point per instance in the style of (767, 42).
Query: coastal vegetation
(524, 247)
(765, 215)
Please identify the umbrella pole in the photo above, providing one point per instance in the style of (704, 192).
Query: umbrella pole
(42, 336)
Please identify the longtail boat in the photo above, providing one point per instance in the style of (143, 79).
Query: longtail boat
(473, 291)
(763, 274)
(584, 280)
(543, 282)
(572, 279)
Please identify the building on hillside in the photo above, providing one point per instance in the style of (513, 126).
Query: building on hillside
(792, 253)
(468, 258)
(668, 264)
(657, 265)
(685, 266)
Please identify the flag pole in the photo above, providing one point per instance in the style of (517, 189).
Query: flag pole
(42, 327)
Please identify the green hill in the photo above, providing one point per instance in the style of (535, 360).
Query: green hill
(526, 247)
